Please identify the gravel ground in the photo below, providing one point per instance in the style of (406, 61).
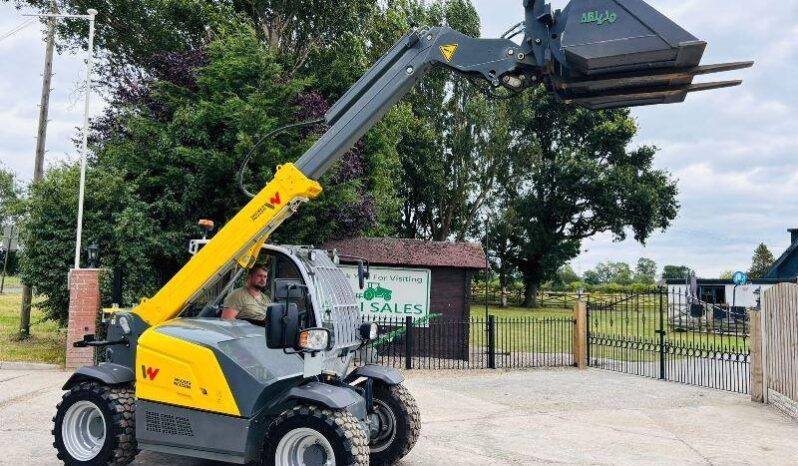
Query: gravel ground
(502, 417)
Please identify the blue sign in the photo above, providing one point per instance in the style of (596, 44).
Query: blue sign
(739, 278)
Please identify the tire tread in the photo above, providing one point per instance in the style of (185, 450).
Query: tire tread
(121, 402)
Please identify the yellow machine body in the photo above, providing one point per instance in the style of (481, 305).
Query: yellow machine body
(181, 373)
(250, 227)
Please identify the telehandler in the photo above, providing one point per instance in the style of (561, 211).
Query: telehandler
(180, 380)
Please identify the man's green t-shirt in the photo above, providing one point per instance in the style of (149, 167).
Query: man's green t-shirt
(248, 307)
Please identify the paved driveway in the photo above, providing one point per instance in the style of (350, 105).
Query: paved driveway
(506, 418)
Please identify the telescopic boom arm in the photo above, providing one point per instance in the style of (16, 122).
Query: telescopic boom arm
(598, 54)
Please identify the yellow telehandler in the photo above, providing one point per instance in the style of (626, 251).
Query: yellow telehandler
(181, 380)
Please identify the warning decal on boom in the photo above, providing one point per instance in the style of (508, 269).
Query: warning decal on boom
(448, 51)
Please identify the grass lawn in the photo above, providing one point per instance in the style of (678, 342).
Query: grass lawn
(478, 312)
(46, 343)
(623, 335)
(523, 330)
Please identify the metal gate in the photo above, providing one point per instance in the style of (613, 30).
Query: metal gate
(671, 336)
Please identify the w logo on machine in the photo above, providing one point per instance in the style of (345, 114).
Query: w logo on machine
(149, 372)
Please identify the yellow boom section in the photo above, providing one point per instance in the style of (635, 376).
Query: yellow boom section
(237, 242)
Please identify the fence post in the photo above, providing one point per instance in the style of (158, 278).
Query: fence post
(662, 352)
(757, 380)
(408, 342)
(580, 335)
(492, 342)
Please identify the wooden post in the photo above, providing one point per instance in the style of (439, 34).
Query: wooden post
(755, 328)
(38, 166)
(580, 335)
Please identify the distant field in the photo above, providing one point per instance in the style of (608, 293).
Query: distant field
(613, 328)
(46, 343)
(12, 283)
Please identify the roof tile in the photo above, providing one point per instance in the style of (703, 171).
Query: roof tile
(412, 252)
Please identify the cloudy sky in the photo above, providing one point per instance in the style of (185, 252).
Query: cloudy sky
(734, 151)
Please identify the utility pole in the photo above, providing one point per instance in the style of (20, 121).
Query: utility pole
(41, 138)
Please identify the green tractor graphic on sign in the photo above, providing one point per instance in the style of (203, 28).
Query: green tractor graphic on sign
(376, 291)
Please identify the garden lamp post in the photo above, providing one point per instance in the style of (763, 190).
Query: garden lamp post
(94, 255)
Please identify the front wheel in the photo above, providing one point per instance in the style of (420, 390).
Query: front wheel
(397, 422)
(94, 426)
(309, 435)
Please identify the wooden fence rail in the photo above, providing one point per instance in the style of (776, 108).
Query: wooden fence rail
(779, 347)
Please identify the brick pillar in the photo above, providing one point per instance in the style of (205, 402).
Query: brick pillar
(84, 304)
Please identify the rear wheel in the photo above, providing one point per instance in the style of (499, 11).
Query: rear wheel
(309, 435)
(94, 426)
(397, 422)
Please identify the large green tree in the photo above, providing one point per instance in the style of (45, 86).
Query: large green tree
(454, 148)
(574, 176)
(761, 262)
(645, 271)
(675, 272)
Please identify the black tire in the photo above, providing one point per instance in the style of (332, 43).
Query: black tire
(391, 445)
(342, 430)
(117, 406)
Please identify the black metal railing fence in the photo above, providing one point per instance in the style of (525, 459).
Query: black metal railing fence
(674, 336)
(475, 343)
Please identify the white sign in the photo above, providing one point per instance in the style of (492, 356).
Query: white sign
(392, 294)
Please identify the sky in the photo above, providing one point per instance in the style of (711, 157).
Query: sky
(733, 151)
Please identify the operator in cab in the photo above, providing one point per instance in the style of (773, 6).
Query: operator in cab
(249, 302)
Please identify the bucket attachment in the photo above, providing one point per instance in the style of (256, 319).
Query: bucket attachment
(624, 53)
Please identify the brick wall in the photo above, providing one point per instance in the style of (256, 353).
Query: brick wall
(84, 304)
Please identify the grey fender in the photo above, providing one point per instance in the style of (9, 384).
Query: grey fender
(387, 375)
(329, 396)
(107, 373)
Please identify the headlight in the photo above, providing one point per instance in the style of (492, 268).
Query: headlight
(124, 323)
(314, 339)
(369, 331)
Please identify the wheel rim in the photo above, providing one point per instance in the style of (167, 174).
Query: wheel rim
(83, 430)
(386, 433)
(304, 447)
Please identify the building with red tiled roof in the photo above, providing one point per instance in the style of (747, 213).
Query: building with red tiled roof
(451, 266)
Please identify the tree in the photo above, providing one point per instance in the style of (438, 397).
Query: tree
(591, 277)
(675, 272)
(9, 196)
(566, 275)
(180, 139)
(610, 272)
(646, 271)
(130, 33)
(113, 217)
(727, 275)
(761, 262)
(572, 177)
(456, 148)
(501, 250)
